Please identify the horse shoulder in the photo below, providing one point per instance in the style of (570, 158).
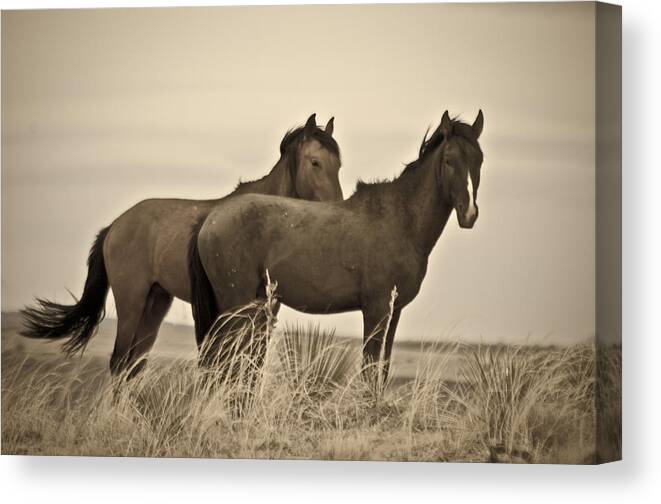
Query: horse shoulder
(412, 269)
(395, 263)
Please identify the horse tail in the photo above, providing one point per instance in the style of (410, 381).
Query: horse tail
(203, 298)
(78, 322)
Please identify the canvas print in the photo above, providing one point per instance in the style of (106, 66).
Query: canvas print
(358, 232)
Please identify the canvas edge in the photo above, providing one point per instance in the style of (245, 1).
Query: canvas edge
(608, 231)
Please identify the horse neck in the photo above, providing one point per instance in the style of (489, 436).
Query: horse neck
(278, 182)
(422, 202)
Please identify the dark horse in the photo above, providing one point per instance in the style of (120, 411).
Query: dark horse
(341, 256)
(143, 254)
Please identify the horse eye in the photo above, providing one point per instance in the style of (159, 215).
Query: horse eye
(315, 163)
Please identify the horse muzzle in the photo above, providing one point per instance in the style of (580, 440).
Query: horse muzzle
(467, 216)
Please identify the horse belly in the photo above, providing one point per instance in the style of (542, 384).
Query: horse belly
(316, 290)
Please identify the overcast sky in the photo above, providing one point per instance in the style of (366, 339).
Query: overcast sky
(103, 108)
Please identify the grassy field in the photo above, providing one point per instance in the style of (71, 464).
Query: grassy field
(442, 402)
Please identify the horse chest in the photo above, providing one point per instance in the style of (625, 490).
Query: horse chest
(409, 279)
(405, 272)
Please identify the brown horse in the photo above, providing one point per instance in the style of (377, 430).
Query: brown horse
(342, 256)
(143, 254)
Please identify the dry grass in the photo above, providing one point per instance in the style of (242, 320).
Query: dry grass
(308, 400)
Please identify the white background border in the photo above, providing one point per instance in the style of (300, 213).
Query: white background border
(637, 479)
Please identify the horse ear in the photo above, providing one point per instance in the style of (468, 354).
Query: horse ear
(310, 126)
(330, 125)
(478, 124)
(446, 124)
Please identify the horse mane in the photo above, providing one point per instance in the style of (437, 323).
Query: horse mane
(427, 146)
(295, 135)
(291, 140)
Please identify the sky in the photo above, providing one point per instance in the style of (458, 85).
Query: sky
(103, 108)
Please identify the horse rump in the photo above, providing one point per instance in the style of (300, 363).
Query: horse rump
(78, 322)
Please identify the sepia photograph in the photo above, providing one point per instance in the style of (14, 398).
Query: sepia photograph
(324, 232)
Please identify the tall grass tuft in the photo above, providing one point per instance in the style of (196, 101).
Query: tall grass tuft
(525, 402)
(314, 362)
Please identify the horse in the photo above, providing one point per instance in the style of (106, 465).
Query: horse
(143, 254)
(341, 256)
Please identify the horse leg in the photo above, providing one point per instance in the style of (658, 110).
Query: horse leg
(157, 306)
(130, 301)
(250, 340)
(390, 338)
(376, 317)
(228, 299)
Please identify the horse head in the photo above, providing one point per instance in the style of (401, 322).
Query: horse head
(314, 160)
(459, 163)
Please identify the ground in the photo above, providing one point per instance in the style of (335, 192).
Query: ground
(443, 402)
